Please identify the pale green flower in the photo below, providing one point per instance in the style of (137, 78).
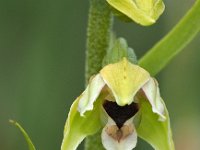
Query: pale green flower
(125, 101)
(144, 12)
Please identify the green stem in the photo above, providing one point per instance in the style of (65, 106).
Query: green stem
(98, 35)
(98, 39)
(174, 42)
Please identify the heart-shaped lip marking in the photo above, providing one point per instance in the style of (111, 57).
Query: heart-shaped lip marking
(120, 114)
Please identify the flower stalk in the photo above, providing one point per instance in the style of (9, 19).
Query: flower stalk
(98, 36)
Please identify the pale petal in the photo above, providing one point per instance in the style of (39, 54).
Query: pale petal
(152, 93)
(78, 127)
(90, 94)
(128, 137)
(157, 133)
(124, 79)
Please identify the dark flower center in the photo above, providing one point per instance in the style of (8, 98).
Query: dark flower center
(120, 114)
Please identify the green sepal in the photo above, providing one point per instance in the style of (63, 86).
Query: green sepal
(144, 12)
(118, 51)
(27, 138)
(157, 133)
(78, 127)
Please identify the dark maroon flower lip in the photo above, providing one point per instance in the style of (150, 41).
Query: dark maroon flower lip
(120, 114)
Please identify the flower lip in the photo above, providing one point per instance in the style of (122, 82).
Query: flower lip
(114, 138)
(120, 114)
(119, 134)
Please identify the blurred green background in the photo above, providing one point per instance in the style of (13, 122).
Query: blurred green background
(42, 52)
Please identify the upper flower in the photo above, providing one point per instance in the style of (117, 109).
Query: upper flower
(144, 12)
(119, 92)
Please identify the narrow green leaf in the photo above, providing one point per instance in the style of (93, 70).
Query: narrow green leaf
(155, 132)
(27, 138)
(174, 42)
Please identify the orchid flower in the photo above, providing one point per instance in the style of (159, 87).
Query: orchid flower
(144, 12)
(118, 94)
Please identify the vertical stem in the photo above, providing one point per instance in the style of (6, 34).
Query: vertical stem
(98, 39)
(98, 36)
